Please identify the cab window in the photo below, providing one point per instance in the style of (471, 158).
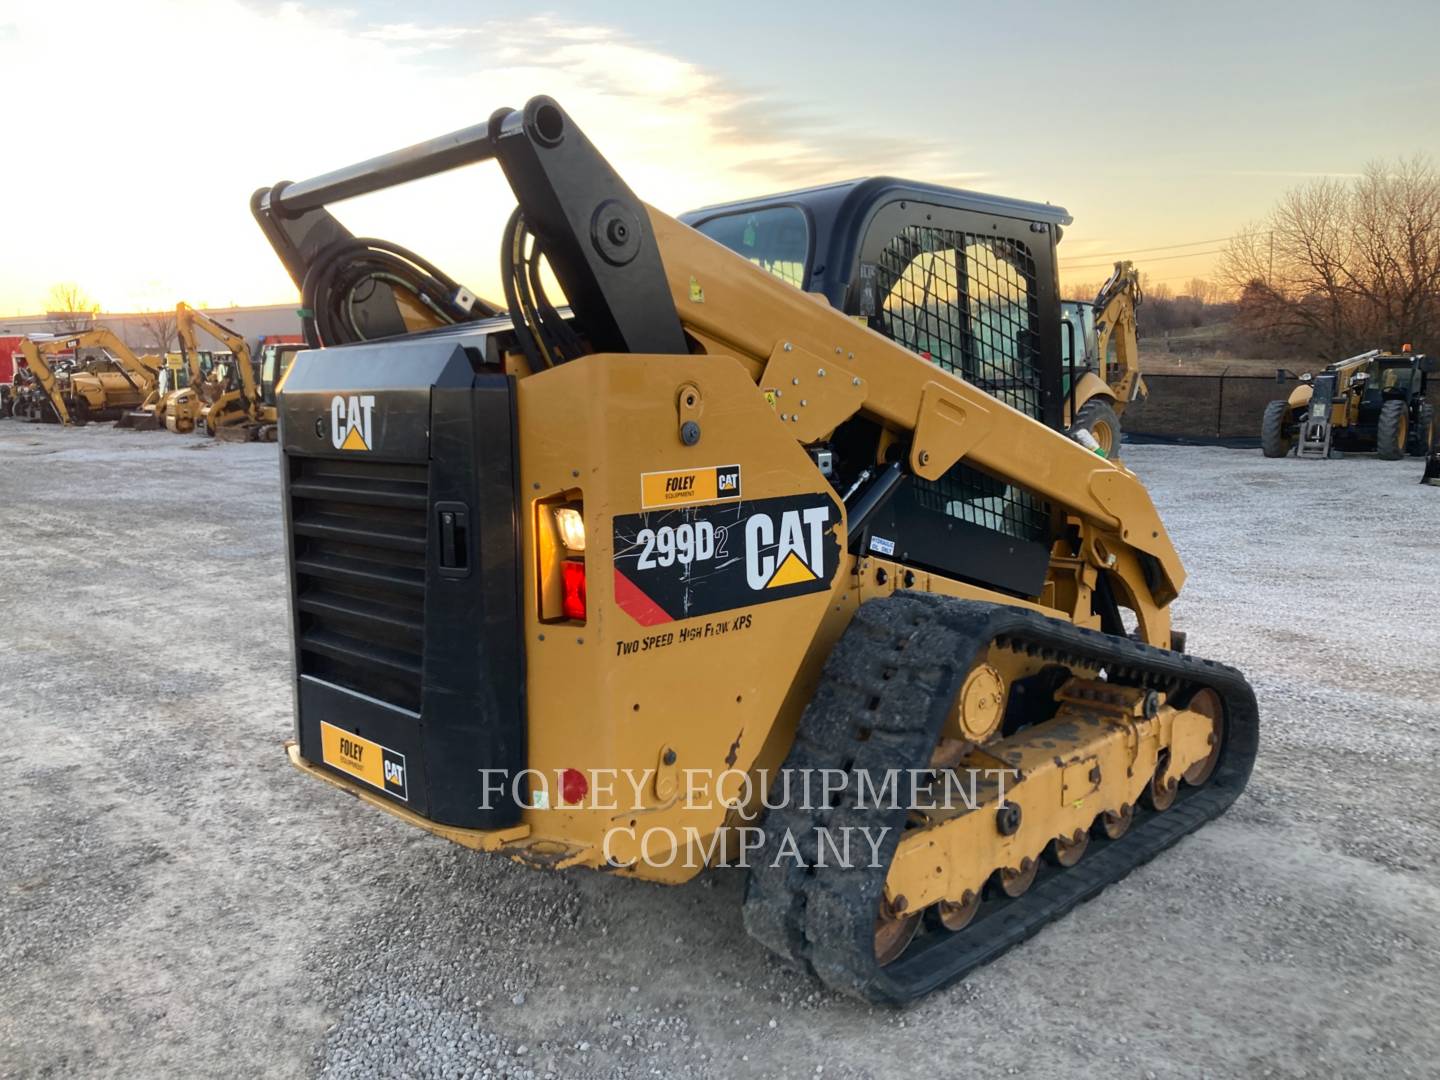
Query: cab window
(776, 240)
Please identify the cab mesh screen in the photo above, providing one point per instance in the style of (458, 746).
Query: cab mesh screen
(968, 303)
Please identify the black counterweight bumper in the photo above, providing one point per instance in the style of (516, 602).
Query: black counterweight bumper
(399, 469)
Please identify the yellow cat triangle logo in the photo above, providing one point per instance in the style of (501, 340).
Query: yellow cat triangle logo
(354, 441)
(790, 572)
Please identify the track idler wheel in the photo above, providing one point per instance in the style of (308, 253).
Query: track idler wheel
(1207, 703)
(956, 915)
(893, 931)
(1067, 851)
(1116, 823)
(1015, 883)
(1161, 791)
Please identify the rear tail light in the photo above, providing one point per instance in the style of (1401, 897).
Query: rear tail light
(572, 604)
(560, 557)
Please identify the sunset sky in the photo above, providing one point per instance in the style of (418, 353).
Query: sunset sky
(135, 131)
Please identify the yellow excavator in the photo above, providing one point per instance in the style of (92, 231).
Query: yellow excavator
(701, 565)
(236, 410)
(1102, 360)
(101, 388)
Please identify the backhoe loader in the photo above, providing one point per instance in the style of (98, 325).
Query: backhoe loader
(97, 389)
(1372, 401)
(699, 567)
(176, 402)
(1102, 360)
(235, 410)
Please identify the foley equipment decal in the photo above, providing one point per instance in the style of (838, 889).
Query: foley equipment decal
(697, 560)
(681, 487)
(378, 766)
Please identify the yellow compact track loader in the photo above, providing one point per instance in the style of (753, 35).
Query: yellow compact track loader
(103, 388)
(700, 567)
(1374, 401)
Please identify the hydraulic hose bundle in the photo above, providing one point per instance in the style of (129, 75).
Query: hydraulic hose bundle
(344, 274)
(544, 335)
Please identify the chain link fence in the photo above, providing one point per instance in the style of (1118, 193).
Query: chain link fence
(1223, 409)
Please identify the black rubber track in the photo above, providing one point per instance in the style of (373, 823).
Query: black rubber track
(881, 704)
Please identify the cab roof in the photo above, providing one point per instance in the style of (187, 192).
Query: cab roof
(838, 214)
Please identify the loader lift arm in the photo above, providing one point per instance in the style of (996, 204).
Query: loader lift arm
(605, 248)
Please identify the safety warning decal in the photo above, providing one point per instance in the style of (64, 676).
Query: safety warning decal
(682, 487)
(693, 561)
(378, 766)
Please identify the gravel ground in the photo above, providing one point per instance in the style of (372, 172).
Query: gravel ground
(176, 901)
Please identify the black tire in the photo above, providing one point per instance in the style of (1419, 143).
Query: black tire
(1390, 433)
(1098, 418)
(1422, 435)
(1273, 440)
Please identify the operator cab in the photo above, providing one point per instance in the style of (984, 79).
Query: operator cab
(965, 279)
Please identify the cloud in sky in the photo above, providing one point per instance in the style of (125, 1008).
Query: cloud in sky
(146, 125)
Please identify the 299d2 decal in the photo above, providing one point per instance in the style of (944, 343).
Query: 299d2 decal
(697, 560)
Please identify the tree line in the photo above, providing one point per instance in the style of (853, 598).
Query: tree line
(1341, 266)
(1338, 266)
(1198, 302)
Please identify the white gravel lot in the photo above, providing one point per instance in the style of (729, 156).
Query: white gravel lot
(175, 901)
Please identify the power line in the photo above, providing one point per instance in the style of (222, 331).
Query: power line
(1162, 247)
(1067, 267)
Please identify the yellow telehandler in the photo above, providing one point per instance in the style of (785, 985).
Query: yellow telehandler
(1373, 401)
(699, 566)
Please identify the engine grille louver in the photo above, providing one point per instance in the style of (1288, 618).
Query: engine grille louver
(359, 534)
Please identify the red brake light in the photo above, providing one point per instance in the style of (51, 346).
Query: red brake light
(572, 605)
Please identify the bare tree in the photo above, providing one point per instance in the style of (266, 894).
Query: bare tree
(159, 328)
(70, 309)
(1338, 268)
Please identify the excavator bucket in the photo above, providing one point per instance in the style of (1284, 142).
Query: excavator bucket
(139, 420)
(235, 433)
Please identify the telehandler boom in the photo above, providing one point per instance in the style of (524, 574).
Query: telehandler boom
(702, 568)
